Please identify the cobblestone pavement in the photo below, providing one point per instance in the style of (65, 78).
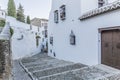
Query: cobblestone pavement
(18, 72)
(44, 67)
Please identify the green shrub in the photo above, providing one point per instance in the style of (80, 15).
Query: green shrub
(2, 23)
(11, 31)
(37, 40)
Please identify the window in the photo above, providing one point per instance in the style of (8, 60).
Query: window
(51, 40)
(102, 3)
(46, 33)
(56, 16)
(62, 12)
(72, 38)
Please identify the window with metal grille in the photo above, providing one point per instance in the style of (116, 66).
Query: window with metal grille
(63, 12)
(102, 3)
(51, 40)
(56, 16)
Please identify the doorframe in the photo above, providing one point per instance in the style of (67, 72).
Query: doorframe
(100, 30)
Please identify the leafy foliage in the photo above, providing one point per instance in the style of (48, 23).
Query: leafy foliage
(37, 40)
(2, 23)
(28, 19)
(20, 13)
(11, 31)
(11, 8)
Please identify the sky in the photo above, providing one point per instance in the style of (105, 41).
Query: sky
(33, 8)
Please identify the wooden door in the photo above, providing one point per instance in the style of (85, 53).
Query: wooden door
(110, 46)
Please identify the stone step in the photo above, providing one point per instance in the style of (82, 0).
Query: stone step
(115, 73)
(48, 64)
(38, 62)
(54, 70)
(35, 58)
(86, 73)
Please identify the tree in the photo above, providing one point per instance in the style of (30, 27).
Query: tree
(20, 13)
(11, 8)
(28, 19)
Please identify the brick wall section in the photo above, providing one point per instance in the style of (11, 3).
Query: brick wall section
(5, 60)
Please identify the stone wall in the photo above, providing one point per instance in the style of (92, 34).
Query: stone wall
(5, 53)
(5, 60)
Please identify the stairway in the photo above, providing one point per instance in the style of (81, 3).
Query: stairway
(44, 67)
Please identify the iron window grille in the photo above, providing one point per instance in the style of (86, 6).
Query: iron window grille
(51, 40)
(63, 12)
(102, 3)
(56, 16)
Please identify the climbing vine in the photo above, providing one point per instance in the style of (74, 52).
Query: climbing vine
(11, 31)
(2, 23)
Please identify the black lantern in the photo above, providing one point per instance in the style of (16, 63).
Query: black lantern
(72, 38)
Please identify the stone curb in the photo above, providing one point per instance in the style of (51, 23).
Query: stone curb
(26, 70)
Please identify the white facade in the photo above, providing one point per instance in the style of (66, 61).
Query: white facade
(43, 36)
(2, 14)
(88, 41)
(44, 23)
(23, 39)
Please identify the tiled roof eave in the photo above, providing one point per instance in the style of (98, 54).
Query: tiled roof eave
(98, 11)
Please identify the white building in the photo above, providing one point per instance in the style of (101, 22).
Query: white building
(24, 42)
(2, 14)
(85, 31)
(44, 38)
(40, 22)
(42, 25)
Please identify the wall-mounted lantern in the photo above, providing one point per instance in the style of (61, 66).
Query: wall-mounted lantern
(72, 38)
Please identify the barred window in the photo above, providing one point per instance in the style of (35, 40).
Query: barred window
(51, 40)
(102, 3)
(63, 12)
(56, 17)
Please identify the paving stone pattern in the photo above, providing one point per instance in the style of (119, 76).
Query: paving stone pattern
(44, 67)
(18, 72)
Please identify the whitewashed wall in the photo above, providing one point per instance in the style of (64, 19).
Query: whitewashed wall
(41, 42)
(27, 45)
(87, 48)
